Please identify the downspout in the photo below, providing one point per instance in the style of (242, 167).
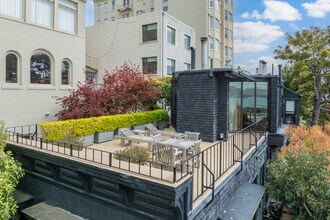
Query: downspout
(162, 45)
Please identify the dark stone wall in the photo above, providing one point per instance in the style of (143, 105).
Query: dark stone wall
(97, 193)
(273, 104)
(253, 170)
(222, 107)
(196, 104)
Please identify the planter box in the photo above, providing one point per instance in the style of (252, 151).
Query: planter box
(162, 125)
(139, 127)
(87, 140)
(100, 137)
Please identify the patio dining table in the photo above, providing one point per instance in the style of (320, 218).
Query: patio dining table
(181, 144)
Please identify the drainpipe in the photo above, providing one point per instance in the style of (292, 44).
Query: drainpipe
(204, 52)
(193, 57)
(162, 46)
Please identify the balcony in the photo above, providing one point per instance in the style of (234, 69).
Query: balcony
(125, 7)
(206, 168)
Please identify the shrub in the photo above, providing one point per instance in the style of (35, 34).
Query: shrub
(82, 127)
(124, 90)
(133, 154)
(71, 140)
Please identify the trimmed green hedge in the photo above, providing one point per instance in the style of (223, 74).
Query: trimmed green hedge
(87, 126)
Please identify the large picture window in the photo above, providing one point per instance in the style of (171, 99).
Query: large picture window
(67, 15)
(149, 32)
(65, 72)
(235, 106)
(42, 12)
(12, 68)
(40, 68)
(261, 100)
(248, 103)
(12, 8)
(149, 65)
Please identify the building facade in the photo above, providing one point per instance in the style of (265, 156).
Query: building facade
(210, 18)
(156, 42)
(39, 43)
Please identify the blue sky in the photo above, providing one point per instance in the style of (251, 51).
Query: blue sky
(260, 26)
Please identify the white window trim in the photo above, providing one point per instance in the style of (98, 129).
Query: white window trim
(175, 33)
(172, 58)
(186, 34)
(19, 71)
(50, 86)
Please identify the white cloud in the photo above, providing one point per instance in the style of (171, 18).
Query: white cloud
(318, 9)
(276, 11)
(252, 64)
(255, 36)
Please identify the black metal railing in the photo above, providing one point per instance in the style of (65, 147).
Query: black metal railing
(209, 165)
(206, 167)
(31, 135)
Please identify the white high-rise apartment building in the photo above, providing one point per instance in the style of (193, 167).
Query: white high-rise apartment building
(210, 18)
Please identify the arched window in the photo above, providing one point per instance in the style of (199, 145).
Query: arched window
(40, 68)
(65, 72)
(11, 68)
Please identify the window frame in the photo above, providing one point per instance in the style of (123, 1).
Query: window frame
(52, 64)
(145, 26)
(69, 72)
(172, 67)
(52, 17)
(187, 36)
(187, 64)
(22, 12)
(173, 42)
(73, 9)
(18, 69)
(143, 65)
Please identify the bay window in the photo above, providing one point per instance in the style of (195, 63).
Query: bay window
(67, 15)
(42, 12)
(13, 8)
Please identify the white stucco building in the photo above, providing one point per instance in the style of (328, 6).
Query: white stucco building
(157, 42)
(42, 55)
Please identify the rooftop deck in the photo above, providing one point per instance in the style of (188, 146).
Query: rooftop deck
(208, 168)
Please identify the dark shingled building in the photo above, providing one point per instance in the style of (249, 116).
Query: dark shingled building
(216, 102)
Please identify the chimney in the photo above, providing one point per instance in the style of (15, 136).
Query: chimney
(280, 74)
(193, 58)
(262, 67)
(204, 52)
(228, 63)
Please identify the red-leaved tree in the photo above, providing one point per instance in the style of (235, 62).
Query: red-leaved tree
(124, 90)
(86, 101)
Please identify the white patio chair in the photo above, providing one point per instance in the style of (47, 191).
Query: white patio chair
(193, 136)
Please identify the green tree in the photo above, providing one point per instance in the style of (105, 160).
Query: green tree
(299, 178)
(308, 70)
(10, 173)
(164, 85)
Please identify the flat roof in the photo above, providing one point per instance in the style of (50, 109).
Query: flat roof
(243, 203)
(228, 72)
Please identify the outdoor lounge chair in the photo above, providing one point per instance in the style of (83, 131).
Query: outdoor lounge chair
(126, 134)
(153, 130)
